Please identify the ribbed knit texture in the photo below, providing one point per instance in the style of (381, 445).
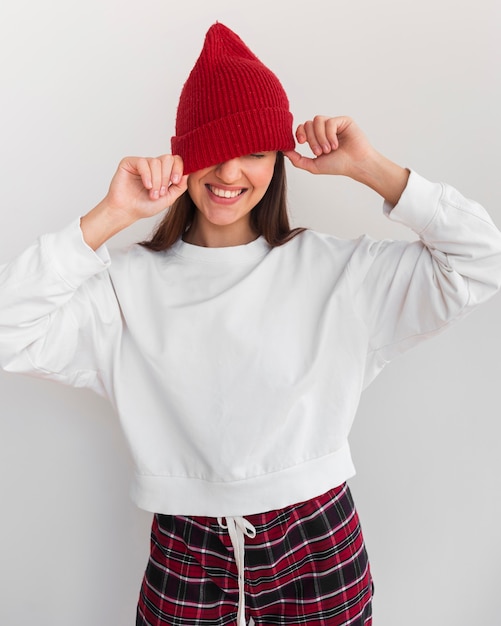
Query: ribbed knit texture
(231, 105)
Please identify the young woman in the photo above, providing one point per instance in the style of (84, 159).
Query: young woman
(235, 349)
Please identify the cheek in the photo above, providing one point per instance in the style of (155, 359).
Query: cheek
(191, 185)
(195, 180)
(195, 191)
(263, 178)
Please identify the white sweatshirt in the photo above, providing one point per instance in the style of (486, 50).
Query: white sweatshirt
(236, 372)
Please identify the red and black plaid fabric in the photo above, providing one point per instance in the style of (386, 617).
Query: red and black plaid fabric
(306, 565)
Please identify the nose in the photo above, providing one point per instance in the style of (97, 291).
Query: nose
(229, 171)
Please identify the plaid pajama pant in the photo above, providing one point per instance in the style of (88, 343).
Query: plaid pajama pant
(307, 564)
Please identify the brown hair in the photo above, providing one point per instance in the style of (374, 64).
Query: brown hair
(269, 217)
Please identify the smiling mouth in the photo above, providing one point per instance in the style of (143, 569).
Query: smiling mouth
(225, 193)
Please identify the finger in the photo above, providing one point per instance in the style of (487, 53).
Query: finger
(319, 127)
(301, 134)
(155, 166)
(300, 161)
(141, 166)
(177, 169)
(311, 138)
(177, 189)
(166, 163)
(333, 128)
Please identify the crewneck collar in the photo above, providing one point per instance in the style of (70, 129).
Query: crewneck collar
(234, 254)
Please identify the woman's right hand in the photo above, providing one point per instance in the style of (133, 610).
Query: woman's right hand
(141, 187)
(144, 186)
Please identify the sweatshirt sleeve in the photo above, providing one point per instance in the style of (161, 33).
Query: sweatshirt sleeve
(414, 290)
(56, 309)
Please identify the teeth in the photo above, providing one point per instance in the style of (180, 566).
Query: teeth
(222, 193)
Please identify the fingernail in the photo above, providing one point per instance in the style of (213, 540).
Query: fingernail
(155, 194)
(176, 178)
(317, 150)
(326, 147)
(162, 191)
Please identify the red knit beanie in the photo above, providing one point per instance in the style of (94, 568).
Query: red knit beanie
(231, 105)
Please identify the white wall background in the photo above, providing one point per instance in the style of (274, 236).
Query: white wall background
(85, 83)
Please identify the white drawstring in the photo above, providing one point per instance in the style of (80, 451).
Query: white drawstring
(237, 528)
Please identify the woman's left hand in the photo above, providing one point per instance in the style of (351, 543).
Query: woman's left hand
(339, 146)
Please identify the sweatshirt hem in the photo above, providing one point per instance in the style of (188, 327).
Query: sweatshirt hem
(193, 496)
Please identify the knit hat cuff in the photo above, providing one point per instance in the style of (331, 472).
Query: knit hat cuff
(235, 135)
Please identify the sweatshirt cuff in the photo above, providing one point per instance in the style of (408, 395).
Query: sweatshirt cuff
(418, 203)
(72, 259)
